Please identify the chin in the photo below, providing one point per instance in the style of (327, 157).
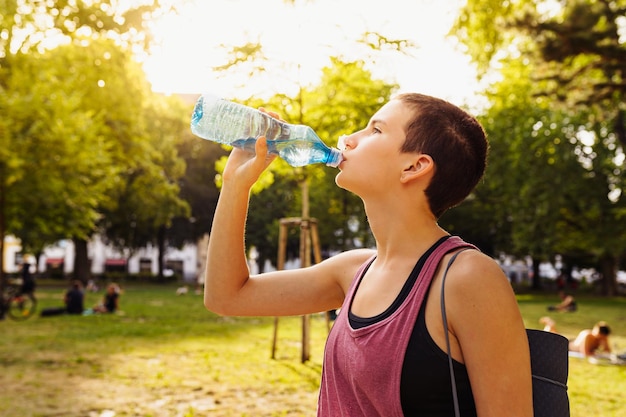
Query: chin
(338, 180)
(345, 183)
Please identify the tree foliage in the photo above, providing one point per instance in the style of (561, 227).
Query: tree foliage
(197, 187)
(79, 122)
(34, 25)
(558, 110)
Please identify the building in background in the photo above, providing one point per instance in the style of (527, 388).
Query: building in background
(58, 260)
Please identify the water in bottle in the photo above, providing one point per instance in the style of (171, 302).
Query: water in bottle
(237, 125)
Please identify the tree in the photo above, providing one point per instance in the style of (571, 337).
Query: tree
(29, 27)
(147, 195)
(533, 154)
(577, 63)
(100, 146)
(61, 165)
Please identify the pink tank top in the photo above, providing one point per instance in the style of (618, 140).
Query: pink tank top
(363, 367)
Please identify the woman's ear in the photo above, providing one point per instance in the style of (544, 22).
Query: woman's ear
(418, 167)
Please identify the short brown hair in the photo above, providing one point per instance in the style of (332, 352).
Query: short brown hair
(603, 328)
(456, 142)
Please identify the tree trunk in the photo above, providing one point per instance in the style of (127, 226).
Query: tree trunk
(81, 260)
(161, 246)
(608, 267)
(536, 278)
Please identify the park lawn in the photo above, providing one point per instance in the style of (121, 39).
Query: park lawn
(165, 355)
(162, 355)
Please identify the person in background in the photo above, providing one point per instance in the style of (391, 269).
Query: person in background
(110, 302)
(386, 352)
(589, 342)
(568, 303)
(73, 301)
(74, 298)
(28, 280)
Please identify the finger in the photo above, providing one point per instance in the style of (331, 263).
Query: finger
(271, 113)
(260, 148)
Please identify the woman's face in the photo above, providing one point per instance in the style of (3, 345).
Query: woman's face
(372, 156)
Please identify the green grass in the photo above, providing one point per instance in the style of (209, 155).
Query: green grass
(165, 355)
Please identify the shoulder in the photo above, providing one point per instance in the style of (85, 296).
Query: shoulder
(481, 302)
(472, 265)
(476, 282)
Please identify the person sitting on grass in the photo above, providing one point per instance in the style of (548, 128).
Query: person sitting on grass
(589, 342)
(110, 303)
(568, 303)
(74, 298)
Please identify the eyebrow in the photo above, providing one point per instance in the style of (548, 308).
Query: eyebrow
(377, 121)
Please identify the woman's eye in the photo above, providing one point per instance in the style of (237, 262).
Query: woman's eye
(376, 130)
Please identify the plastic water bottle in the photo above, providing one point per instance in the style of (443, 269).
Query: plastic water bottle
(237, 125)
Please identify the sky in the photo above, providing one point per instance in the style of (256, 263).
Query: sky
(298, 41)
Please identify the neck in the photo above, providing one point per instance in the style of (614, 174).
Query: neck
(402, 230)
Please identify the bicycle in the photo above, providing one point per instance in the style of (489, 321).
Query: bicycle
(17, 305)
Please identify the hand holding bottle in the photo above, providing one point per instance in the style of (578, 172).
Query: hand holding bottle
(233, 124)
(249, 166)
(245, 168)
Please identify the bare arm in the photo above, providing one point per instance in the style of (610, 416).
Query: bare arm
(226, 268)
(593, 343)
(229, 289)
(490, 332)
(565, 303)
(589, 346)
(605, 345)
